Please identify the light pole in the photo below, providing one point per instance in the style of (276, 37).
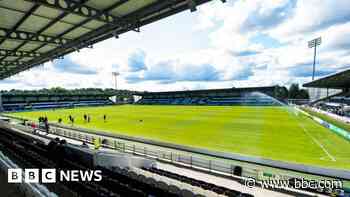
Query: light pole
(115, 75)
(313, 44)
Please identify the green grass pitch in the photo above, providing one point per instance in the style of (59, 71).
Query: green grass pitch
(269, 132)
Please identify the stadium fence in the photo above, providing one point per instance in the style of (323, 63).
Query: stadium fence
(194, 159)
(197, 155)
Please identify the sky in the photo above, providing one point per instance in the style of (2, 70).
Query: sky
(241, 43)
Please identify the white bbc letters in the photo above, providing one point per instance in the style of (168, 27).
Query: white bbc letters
(48, 176)
(31, 175)
(14, 175)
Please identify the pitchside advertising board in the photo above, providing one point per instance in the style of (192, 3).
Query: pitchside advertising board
(52, 175)
(333, 128)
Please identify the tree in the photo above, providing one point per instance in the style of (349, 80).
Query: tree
(281, 93)
(293, 91)
(63, 91)
(296, 93)
(303, 94)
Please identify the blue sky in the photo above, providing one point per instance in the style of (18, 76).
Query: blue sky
(239, 43)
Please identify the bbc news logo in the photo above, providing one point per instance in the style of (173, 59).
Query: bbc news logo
(52, 175)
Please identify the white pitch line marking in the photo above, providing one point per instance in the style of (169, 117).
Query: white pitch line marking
(318, 143)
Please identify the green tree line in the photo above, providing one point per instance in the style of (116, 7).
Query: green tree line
(63, 91)
(294, 92)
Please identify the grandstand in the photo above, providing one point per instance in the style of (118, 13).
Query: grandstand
(258, 96)
(333, 105)
(339, 80)
(230, 144)
(19, 102)
(338, 83)
(51, 105)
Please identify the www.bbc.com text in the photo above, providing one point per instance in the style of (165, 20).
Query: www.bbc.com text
(295, 184)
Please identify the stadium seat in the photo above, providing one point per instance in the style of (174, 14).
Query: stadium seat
(254, 99)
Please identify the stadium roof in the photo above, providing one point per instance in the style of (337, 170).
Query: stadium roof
(33, 32)
(187, 92)
(340, 80)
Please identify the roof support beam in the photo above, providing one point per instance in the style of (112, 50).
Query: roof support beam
(39, 15)
(69, 6)
(57, 19)
(33, 9)
(4, 52)
(11, 63)
(107, 30)
(108, 9)
(29, 36)
(133, 21)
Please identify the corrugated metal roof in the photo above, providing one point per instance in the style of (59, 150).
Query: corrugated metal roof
(208, 91)
(340, 80)
(33, 32)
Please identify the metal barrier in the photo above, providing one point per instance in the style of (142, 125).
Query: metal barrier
(171, 157)
(214, 156)
(191, 161)
(187, 160)
(132, 145)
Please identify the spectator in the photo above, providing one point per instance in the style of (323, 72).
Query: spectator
(97, 143)
(33, 127)
(46, 125)
(84, 145)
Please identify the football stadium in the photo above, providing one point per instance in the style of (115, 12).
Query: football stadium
(254, 124)
(261, 140)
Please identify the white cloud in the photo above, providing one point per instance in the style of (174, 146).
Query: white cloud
(226, 50)
(313, 15)
(300, 22)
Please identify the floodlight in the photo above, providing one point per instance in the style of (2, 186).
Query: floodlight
(115, 75)
(313, 44)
